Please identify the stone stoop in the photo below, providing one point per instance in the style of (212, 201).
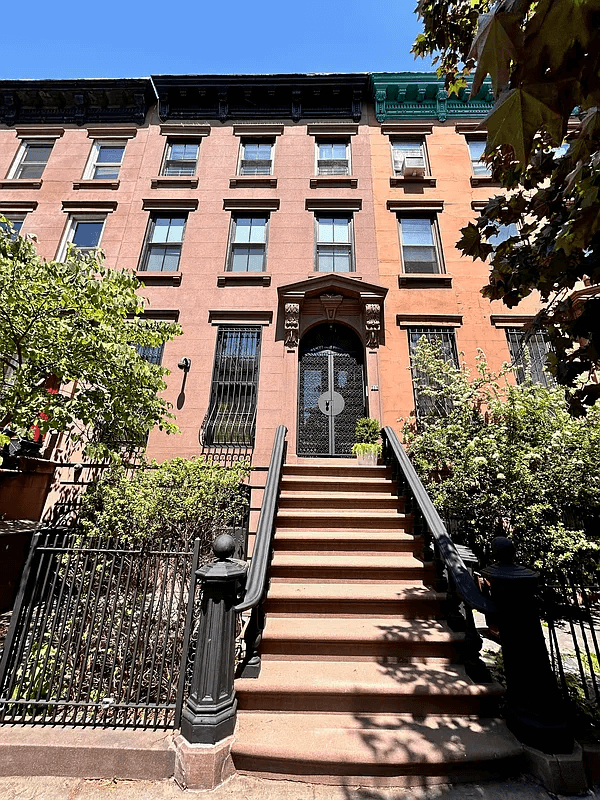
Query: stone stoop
(361, 678)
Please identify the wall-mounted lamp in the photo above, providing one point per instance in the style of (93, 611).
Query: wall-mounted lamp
(185, 364)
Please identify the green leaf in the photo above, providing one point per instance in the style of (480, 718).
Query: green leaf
(494, 48)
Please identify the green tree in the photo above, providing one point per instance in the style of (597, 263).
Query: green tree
(69, 333)
(543, 57)
(509, 460)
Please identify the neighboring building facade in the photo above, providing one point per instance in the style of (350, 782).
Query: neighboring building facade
(301, 228)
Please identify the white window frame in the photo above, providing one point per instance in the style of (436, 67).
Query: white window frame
(167, 161)
(14, 218)
(19, 160)
(69, 234)
(257, 245)
(249, 141)
(92, 162)
(320, 168)
(436, 243)
(419, 150)
(476, 163)
(329, 246)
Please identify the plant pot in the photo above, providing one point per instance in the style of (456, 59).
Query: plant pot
(367, 459)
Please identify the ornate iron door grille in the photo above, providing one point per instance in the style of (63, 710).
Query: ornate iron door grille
(331, 391)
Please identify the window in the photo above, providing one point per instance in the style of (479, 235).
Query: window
(445, 340)
(153, 355)
(105, 161)
(256, 158)
(248, 243)
(476, 149)
(409, 158)
(528, 351)
(231, 415)
(84, 232)
(334, 251)
(505, 232)
(419, 245)
(181, 158)
(16, 220)
(31, 159)
(163, 243)
(333, 158)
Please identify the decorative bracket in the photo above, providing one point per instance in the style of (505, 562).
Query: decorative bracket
(292, 324)
(372, 324)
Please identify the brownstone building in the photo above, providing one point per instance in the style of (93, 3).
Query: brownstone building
(301, 228)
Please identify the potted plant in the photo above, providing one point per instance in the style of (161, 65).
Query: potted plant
(367, 448)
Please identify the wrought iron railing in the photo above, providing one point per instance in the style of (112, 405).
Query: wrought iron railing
(451, 573)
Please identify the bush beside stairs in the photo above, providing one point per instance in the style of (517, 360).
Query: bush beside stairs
(361, 680)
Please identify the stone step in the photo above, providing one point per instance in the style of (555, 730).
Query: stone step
(335, 483)
(353, 600)
(342, 542)
(336, 470)
(340, 518)
(348, 500)
(353, 639)
(403, 567)
(374, 750)
(363, 687)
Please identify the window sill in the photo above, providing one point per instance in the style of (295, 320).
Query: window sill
(174, 182)
(483, 180)
(21, 183)
(150, 278)
(425, 280)
(402, 180)
(93, 184)
(334, 181)
(259, 181)
(244, 279)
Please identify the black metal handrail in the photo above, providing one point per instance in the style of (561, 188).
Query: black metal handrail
(257, 574)
(461, 577)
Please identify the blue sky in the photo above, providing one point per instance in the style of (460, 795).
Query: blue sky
(68, 39)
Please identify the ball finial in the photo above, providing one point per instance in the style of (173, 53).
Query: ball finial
(224, 546)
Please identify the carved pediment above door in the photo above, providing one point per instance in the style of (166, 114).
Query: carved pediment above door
(331, 297)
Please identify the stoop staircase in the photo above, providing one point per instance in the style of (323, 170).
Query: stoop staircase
(361, 679)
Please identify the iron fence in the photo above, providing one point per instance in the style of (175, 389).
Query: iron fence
(99, 632)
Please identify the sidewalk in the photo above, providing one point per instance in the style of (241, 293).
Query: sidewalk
(245, 788)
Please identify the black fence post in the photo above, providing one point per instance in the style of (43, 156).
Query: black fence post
(535, 710)
(209, 713)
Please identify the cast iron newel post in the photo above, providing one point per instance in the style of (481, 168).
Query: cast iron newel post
(535, 711)
(209, 713)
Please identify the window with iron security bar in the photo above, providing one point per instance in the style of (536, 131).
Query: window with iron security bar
(248, 243)
(445, 340)
(528, 351)
(153, 355)
(256, 158)
(100, 634)
(333, 158)
(164, 240)
(181, 159)
(409, 152)
(334, 244)
(419, 245)
(231, 415)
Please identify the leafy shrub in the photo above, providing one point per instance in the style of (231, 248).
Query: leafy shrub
(367, 430)
(500, 459)
(179, 499)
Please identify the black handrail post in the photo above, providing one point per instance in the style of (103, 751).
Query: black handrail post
(209, 713)
(535, 711)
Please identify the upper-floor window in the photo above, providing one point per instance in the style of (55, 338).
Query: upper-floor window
(419, 244)
(333, 158)
(83, 232)
(478, 165)
(164, 239)
(505, 232)
(181, 158)
(334, 244)
(409, 158)
(528, 351)
(12, 223)
(256, 158)
(105, 160)
(248, 243)
(31, 159)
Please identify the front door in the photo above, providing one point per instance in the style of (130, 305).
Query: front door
(331, 391)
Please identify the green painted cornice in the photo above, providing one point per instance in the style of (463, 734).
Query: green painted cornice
(421, 95)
